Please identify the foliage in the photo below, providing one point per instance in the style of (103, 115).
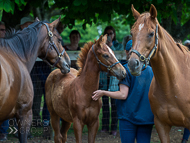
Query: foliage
(9, 5)
(95, 30)
(172, 14)
(90, 11)
(90, 31)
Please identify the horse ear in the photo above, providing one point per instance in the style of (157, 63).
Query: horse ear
(99, 40)
(153, 11)
(55, 22)
(36, 19)
(104, 39)
(136, 14)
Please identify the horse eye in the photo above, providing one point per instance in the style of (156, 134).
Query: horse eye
(151, 34)
(59, 40)
(105, 56)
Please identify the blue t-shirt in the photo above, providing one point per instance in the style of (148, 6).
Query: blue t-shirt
(136, 108)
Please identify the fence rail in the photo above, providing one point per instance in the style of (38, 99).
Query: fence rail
(74, 54)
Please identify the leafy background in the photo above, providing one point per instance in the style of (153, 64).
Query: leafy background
(90, 17)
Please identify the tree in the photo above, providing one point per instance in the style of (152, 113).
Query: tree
(13, 12)
(173, 15)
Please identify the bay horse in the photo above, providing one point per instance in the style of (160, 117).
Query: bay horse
(69, 96)
(170, 61)
(18, 54)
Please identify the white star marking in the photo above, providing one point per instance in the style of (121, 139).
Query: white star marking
(112, 53)
(141, 26)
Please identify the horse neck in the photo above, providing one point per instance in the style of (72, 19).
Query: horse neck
(90, 73)
(166, 62)
(36, 51)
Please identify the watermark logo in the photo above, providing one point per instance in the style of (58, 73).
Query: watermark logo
(27, 126)
(13, 130)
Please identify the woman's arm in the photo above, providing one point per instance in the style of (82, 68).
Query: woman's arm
(121, 94)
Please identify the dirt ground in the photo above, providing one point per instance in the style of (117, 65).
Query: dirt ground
(176, 134)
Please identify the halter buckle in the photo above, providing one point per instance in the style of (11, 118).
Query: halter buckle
(142, 58)
(109, 68)
(50, 34)
(60, 55)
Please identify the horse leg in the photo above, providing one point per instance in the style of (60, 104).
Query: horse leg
(78, 127)
(163, 130)
(92, 131)
(24, 123)
(55, 121)
(64, 129)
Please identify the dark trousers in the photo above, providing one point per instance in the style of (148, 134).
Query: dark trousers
(129, 132)
(186, 134)
(39, 75)
(106, 112)
(4, 127)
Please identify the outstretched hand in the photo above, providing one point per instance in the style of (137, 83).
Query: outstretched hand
(97, 94)
(109, 43)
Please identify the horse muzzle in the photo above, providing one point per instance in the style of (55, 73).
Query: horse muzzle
(135, 66)
(65, 69)
(65, 64)
(119, 73)
(122, 75)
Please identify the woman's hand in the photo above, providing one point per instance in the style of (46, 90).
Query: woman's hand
(97, 94)
(109, 43)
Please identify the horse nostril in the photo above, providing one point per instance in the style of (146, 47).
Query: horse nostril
(137, 63)
(67, 65)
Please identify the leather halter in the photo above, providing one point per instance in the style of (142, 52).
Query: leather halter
(99, 62)
(152, 53)
(52, 44)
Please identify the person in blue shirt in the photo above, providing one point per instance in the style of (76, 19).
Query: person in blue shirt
(133, 108)
(110, 83)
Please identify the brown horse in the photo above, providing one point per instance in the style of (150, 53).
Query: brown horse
(70, 97)
(170, 61)
(18, 54)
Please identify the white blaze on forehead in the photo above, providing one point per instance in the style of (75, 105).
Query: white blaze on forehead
(112, 53)
(141, 26)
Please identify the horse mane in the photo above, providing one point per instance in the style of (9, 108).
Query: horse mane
(22, 42)
(10, 32)
(177, 43)
(83, 56)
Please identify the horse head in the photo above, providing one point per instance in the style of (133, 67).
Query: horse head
(107, 59)
(52, 51)
(145, 39)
